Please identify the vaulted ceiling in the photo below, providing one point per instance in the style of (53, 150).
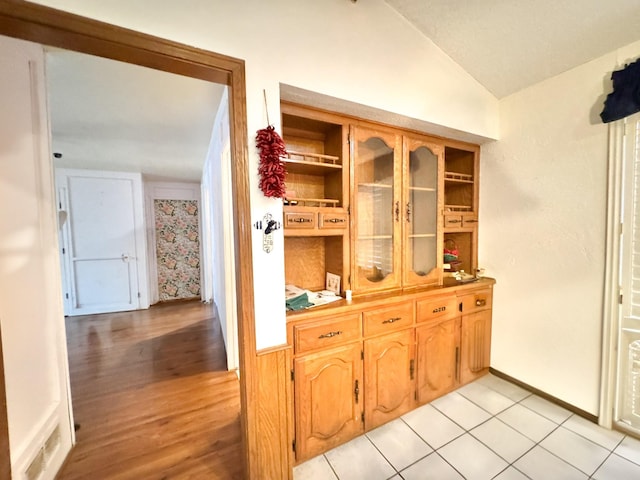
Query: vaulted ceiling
(508, 45)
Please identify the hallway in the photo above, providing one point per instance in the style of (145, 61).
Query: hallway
(152, 396)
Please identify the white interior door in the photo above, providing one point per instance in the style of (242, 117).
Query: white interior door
(102, 240)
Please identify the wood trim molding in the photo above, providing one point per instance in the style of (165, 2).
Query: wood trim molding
(51, 27)
(546, 396)
(5, 460)
(275, 413)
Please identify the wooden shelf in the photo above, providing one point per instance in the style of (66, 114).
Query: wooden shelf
(313, 202)
(457, 208)
(423, 235)
(365, 186)
(455, 177)
(375, 237)
(311, 163)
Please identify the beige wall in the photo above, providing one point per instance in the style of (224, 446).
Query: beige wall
(543, 219)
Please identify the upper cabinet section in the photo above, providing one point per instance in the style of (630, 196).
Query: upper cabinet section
(422, 174)
(396, 210)
(377, 170)
(382, 207)
(317, 173)
(460, 181)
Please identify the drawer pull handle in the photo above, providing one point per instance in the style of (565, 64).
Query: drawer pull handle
(392, 320)
(481, 302)
(440, 309)
(471, 221)
(454, 221)
(330, 334)
(335, 220)
(356, 391)
(300, 220)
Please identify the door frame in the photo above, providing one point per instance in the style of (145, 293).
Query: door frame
(56, 28)
(612, 287)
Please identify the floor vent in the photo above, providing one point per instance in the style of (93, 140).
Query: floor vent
(44, 456)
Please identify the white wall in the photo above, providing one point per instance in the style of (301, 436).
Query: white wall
(543, 218)
(31, 313)
(363, 52)
(218, 239)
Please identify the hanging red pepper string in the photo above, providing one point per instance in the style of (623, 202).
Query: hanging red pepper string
(271, 169)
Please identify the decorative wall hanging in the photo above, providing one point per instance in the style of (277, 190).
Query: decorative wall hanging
(625, 98)
(271, 169)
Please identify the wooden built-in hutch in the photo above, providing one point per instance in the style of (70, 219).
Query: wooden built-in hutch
(377, 205)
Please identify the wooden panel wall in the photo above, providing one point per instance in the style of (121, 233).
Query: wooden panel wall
(274, 422)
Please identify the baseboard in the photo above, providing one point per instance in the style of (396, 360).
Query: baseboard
(546, 396)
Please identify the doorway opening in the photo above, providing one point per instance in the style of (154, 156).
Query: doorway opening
(48, 26)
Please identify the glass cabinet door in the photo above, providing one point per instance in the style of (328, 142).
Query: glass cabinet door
(422, 165)
(376, 205)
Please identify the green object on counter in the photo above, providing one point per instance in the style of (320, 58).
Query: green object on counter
(299, 303)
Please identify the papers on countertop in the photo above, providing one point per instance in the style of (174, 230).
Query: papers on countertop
(295, 297)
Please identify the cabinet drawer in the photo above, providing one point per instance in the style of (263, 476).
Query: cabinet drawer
(479, 300)
(332, 220)
(469, 222)
(452, 221)
(299, 220)
(387, 319)
(437, 308)
(326, 333)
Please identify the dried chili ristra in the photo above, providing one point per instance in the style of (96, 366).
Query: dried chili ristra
(271, 169)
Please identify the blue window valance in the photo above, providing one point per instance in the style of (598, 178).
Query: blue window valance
(625, 98)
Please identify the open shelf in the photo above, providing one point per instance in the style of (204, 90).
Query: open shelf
(455, 177)
(311, 202)
(311, 163)
(458, 208)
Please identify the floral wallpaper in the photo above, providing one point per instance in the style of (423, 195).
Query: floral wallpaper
(177, 248)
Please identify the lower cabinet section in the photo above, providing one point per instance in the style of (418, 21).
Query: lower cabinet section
(328, 399)
(438, 354)
(476, 345)
(365, 364)
(389, 378)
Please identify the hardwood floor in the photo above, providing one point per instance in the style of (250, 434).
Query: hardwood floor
(152, 396)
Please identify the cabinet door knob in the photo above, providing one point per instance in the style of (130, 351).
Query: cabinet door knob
(356, 391)
(397, 211)
(408, 212)
(481, 302)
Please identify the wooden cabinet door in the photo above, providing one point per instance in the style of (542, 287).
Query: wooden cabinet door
(422, 172)
(389, 384)
(476, 345)
(328, 399)
(437, 359)
(376, 210)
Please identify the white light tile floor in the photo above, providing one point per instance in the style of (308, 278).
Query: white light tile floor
(489, 429)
